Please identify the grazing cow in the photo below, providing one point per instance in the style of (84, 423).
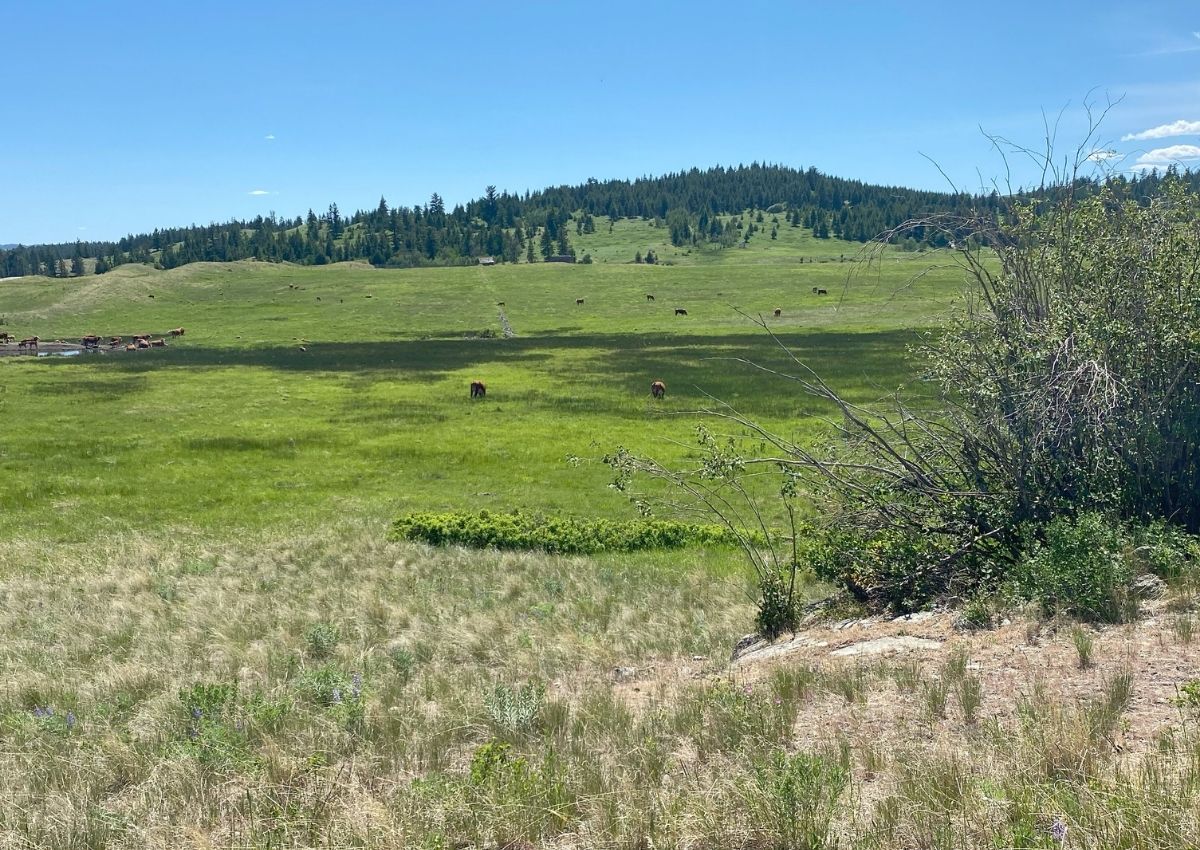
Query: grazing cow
(499, 303)
(649, 297)
(31, 342)
(578, 300)
(478, 390)
(822, 292)
(814, 290)
(131, 347)
(7, 337)
(658, 389)
(679, 311)
(158, 343)
(778, 312)
(177, 332)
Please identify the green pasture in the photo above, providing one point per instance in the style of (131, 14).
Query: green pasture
(301, 394)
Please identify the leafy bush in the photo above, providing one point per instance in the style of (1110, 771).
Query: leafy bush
(558, 534)
(1080, 569)
(515, 708)
(321, 639)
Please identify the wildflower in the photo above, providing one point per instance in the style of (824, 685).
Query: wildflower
(197, 713)
(70, 719)
(37, 711)
(336, 696)
(778, 701)
(1058, 831)
(356, 686)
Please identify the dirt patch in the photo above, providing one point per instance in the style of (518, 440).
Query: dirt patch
(1012, 662)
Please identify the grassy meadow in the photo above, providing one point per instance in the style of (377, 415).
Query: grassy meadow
(209, 642)
(299, 395)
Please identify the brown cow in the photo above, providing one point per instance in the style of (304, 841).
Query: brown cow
(658, 389)
(679, 311)
(177, 332)
(7, 337)
(91, 341)
(142, 342)
(478, 390)
(131, 347)
(158, 343)
(31, 342)
(113, 342)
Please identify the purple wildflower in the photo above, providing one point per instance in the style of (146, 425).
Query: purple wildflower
(70, 719)
(49, 711)
(1058, 831)
(37, 711)
(336, 695)
(356, 686)
(197, 713)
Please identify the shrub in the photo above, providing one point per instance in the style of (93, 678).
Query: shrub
(321, 639)
(515, 708)
(557, 534)
(794, 799)
(1079, 569)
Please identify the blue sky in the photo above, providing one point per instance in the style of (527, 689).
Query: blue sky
(125, 116)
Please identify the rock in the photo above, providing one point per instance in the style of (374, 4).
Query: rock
(743, 644)
(624, 674)
(1148, 586)
(918, 617)
(883, 645)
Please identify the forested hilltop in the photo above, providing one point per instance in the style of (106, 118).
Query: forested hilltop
(694, 206)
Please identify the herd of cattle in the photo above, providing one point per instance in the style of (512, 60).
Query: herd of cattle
(93, 342)
(658, 389)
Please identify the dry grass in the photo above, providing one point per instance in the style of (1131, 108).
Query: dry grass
(333, 689)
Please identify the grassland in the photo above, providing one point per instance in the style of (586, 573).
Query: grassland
(207, 640)
(300, 394)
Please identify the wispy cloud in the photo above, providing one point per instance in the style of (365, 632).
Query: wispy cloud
(1163, 131)
(258, 192)
(1162, 157)
(270, 137)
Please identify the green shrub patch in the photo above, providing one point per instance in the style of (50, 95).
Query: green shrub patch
(558, 534)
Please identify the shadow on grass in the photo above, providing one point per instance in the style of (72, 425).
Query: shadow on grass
(862, 365)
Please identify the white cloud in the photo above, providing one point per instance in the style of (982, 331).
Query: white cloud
(270, 137)
(1162, 157)
(1163, 131)
(258, 192)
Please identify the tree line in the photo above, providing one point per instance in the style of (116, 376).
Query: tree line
(512, 227)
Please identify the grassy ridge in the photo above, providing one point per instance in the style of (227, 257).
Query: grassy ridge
(236, 426)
